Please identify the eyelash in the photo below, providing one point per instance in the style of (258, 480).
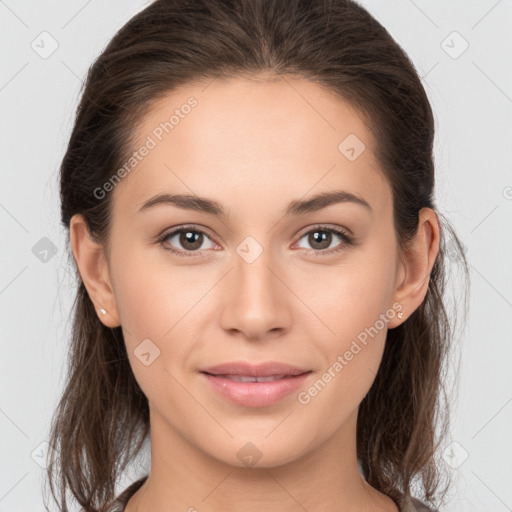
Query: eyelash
(348, 240)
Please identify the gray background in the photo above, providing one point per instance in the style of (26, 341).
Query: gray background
(471, 94)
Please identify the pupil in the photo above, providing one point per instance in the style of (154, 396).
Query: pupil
(187, 240)
(323, 237)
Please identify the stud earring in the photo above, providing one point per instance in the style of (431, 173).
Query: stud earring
(400, 314)
(103, 311)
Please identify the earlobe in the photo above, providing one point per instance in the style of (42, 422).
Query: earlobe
(91, 261)
(416, 265)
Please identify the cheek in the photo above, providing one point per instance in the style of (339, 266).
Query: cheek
(158, 305)
(152, 294)
(354, 306)
(352, 296)
(147, 309)
(352, 347)
(139, 297)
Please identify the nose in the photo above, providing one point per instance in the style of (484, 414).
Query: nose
(257, 299)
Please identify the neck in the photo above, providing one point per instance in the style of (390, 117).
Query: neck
(184, 477)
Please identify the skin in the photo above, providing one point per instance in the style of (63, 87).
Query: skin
(254, 147)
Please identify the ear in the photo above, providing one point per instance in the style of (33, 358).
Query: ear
(93, 267)
(415, 265)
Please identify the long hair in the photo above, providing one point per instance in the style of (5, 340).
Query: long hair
(102, 418)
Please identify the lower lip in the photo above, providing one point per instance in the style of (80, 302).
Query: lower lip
(255, 394)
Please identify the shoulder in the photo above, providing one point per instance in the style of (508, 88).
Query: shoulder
(418, 506)
(120, 502)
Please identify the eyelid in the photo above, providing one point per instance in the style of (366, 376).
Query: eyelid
(183, 227)
(326, 227)
(170, 232)
(345, 234)
(347, 237)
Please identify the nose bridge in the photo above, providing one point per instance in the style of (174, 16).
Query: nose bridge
(252, 275)
(256, 300)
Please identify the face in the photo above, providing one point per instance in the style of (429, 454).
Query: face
(267, 280)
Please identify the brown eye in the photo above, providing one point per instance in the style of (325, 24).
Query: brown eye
(190, 240)
(185, 240)
(320, 240)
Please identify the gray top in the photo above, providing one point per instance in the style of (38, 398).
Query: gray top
(120, 502)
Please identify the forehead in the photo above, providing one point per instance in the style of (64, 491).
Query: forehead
(245, 139)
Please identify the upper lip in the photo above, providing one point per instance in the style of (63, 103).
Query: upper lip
(250, 370)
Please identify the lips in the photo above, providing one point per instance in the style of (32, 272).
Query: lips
(244, 369)
(255, 385)
(248, 378)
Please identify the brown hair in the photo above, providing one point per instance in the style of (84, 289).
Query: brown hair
(102, 418)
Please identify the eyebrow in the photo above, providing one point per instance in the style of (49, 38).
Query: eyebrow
(296, 207)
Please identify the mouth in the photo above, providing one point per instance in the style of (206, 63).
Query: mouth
(248, 390)
(252, 378)
(245, 369)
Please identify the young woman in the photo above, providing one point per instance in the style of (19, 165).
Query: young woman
(248, 190)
